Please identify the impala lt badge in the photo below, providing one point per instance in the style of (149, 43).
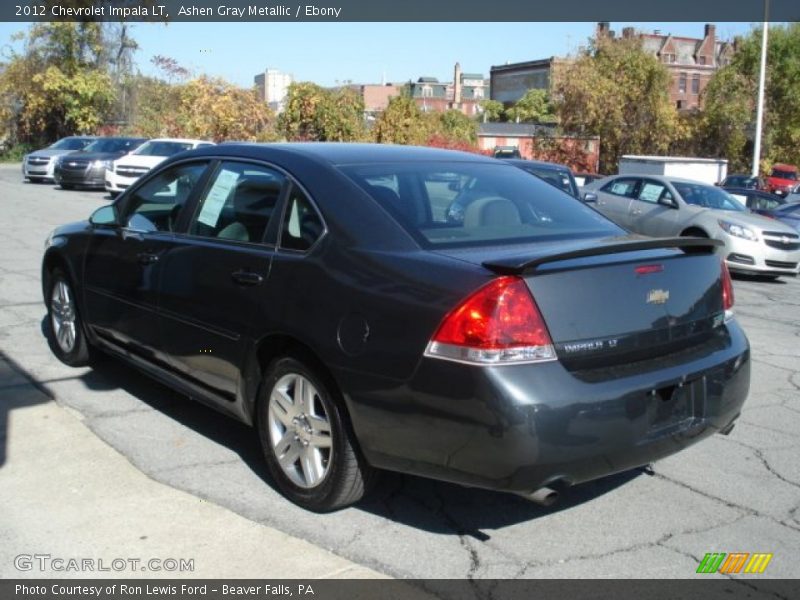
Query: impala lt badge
(657, 296)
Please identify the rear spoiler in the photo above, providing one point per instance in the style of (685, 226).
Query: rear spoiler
(516, 265)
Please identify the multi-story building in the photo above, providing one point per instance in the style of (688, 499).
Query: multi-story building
(691, 61)
(376, 96)
(272, 86)
(464, 93)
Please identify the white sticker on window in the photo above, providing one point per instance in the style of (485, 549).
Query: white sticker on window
(215, 200)
(650, 192)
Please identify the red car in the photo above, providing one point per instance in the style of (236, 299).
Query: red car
(782, 179)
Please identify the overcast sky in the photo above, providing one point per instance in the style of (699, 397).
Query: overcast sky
(330, 53)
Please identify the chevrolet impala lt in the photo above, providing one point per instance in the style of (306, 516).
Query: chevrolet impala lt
(321, 293)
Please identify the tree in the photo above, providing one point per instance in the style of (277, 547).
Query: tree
(60, 84)
(533, 107)
(619, 92)
(730, 100)
(212, 108)
(402, 122)
(457, 126)
(492, 110)
(314, 113)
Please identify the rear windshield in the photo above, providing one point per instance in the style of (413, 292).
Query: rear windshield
(468, 204)
(777, 173)
(162, 148)
(707, 196)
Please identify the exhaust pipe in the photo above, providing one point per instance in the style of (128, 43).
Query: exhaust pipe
(544, 496)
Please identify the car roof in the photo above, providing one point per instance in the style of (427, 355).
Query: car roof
(784, 167)
(339, 153)
(521, 162)
(181, 140)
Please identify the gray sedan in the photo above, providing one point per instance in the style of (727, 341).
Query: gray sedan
(667, 206)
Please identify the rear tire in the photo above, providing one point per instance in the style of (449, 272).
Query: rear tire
(67, 339)
(67, 186)
(306, 439)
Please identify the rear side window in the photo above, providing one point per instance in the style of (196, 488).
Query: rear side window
(474, 203)
(621, 187)
(239, 203)
(302, 225)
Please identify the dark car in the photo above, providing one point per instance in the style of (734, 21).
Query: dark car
(87, 167)
(319, 293)
(758, 201)
(741, 181)
(555, 174)
(507, 152)
(787, 213)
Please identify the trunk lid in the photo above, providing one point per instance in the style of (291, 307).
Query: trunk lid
(617, 300)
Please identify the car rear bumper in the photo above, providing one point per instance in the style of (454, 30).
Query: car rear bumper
(518, 428)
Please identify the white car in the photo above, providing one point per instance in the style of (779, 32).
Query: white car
(127, 169)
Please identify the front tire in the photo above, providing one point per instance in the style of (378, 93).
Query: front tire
(306, 439)
(67, 339)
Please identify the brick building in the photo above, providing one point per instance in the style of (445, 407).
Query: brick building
(376, 96)
(464, 93)
(691, 61)
(581, 154)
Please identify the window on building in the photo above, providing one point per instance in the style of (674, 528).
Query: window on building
(695, 85)
(679, 104)
(701, 60)
(682, 83)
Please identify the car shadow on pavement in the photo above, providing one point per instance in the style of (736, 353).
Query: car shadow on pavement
(18, 389)
(769, 279)
(425, 504)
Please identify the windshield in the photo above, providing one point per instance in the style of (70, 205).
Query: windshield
(111, 145)
(556, 177)
(473, 204)
(707, 196)
(156, 148)
(70, 144)
(791, 175)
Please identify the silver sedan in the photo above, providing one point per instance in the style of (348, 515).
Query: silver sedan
(667, 206)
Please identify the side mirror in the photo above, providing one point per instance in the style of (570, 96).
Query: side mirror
(590, 197)
(667, 202)
(104, 216)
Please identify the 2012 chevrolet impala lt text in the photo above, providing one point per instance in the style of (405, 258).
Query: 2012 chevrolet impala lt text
(325, 294)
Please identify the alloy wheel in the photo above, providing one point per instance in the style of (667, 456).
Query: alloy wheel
(300, 431)
(63, 316)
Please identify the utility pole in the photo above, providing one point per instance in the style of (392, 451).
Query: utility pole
(761, 77)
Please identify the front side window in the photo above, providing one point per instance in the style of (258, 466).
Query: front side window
(157, 203)
(302, 225)
(555, 177)
(239, 203)
(474, 203)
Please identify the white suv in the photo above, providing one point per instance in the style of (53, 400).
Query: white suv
(127, 169)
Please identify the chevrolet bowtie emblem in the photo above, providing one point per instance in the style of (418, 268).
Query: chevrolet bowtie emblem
(657, 296)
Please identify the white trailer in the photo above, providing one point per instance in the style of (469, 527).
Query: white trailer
(707, 170)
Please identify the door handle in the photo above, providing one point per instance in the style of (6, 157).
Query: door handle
(247, 278)
(147, 258)
(636, 211)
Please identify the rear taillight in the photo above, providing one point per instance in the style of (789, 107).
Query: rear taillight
(498, 324)
(727, 292)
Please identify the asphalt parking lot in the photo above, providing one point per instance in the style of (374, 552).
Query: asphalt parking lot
(739, 493)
